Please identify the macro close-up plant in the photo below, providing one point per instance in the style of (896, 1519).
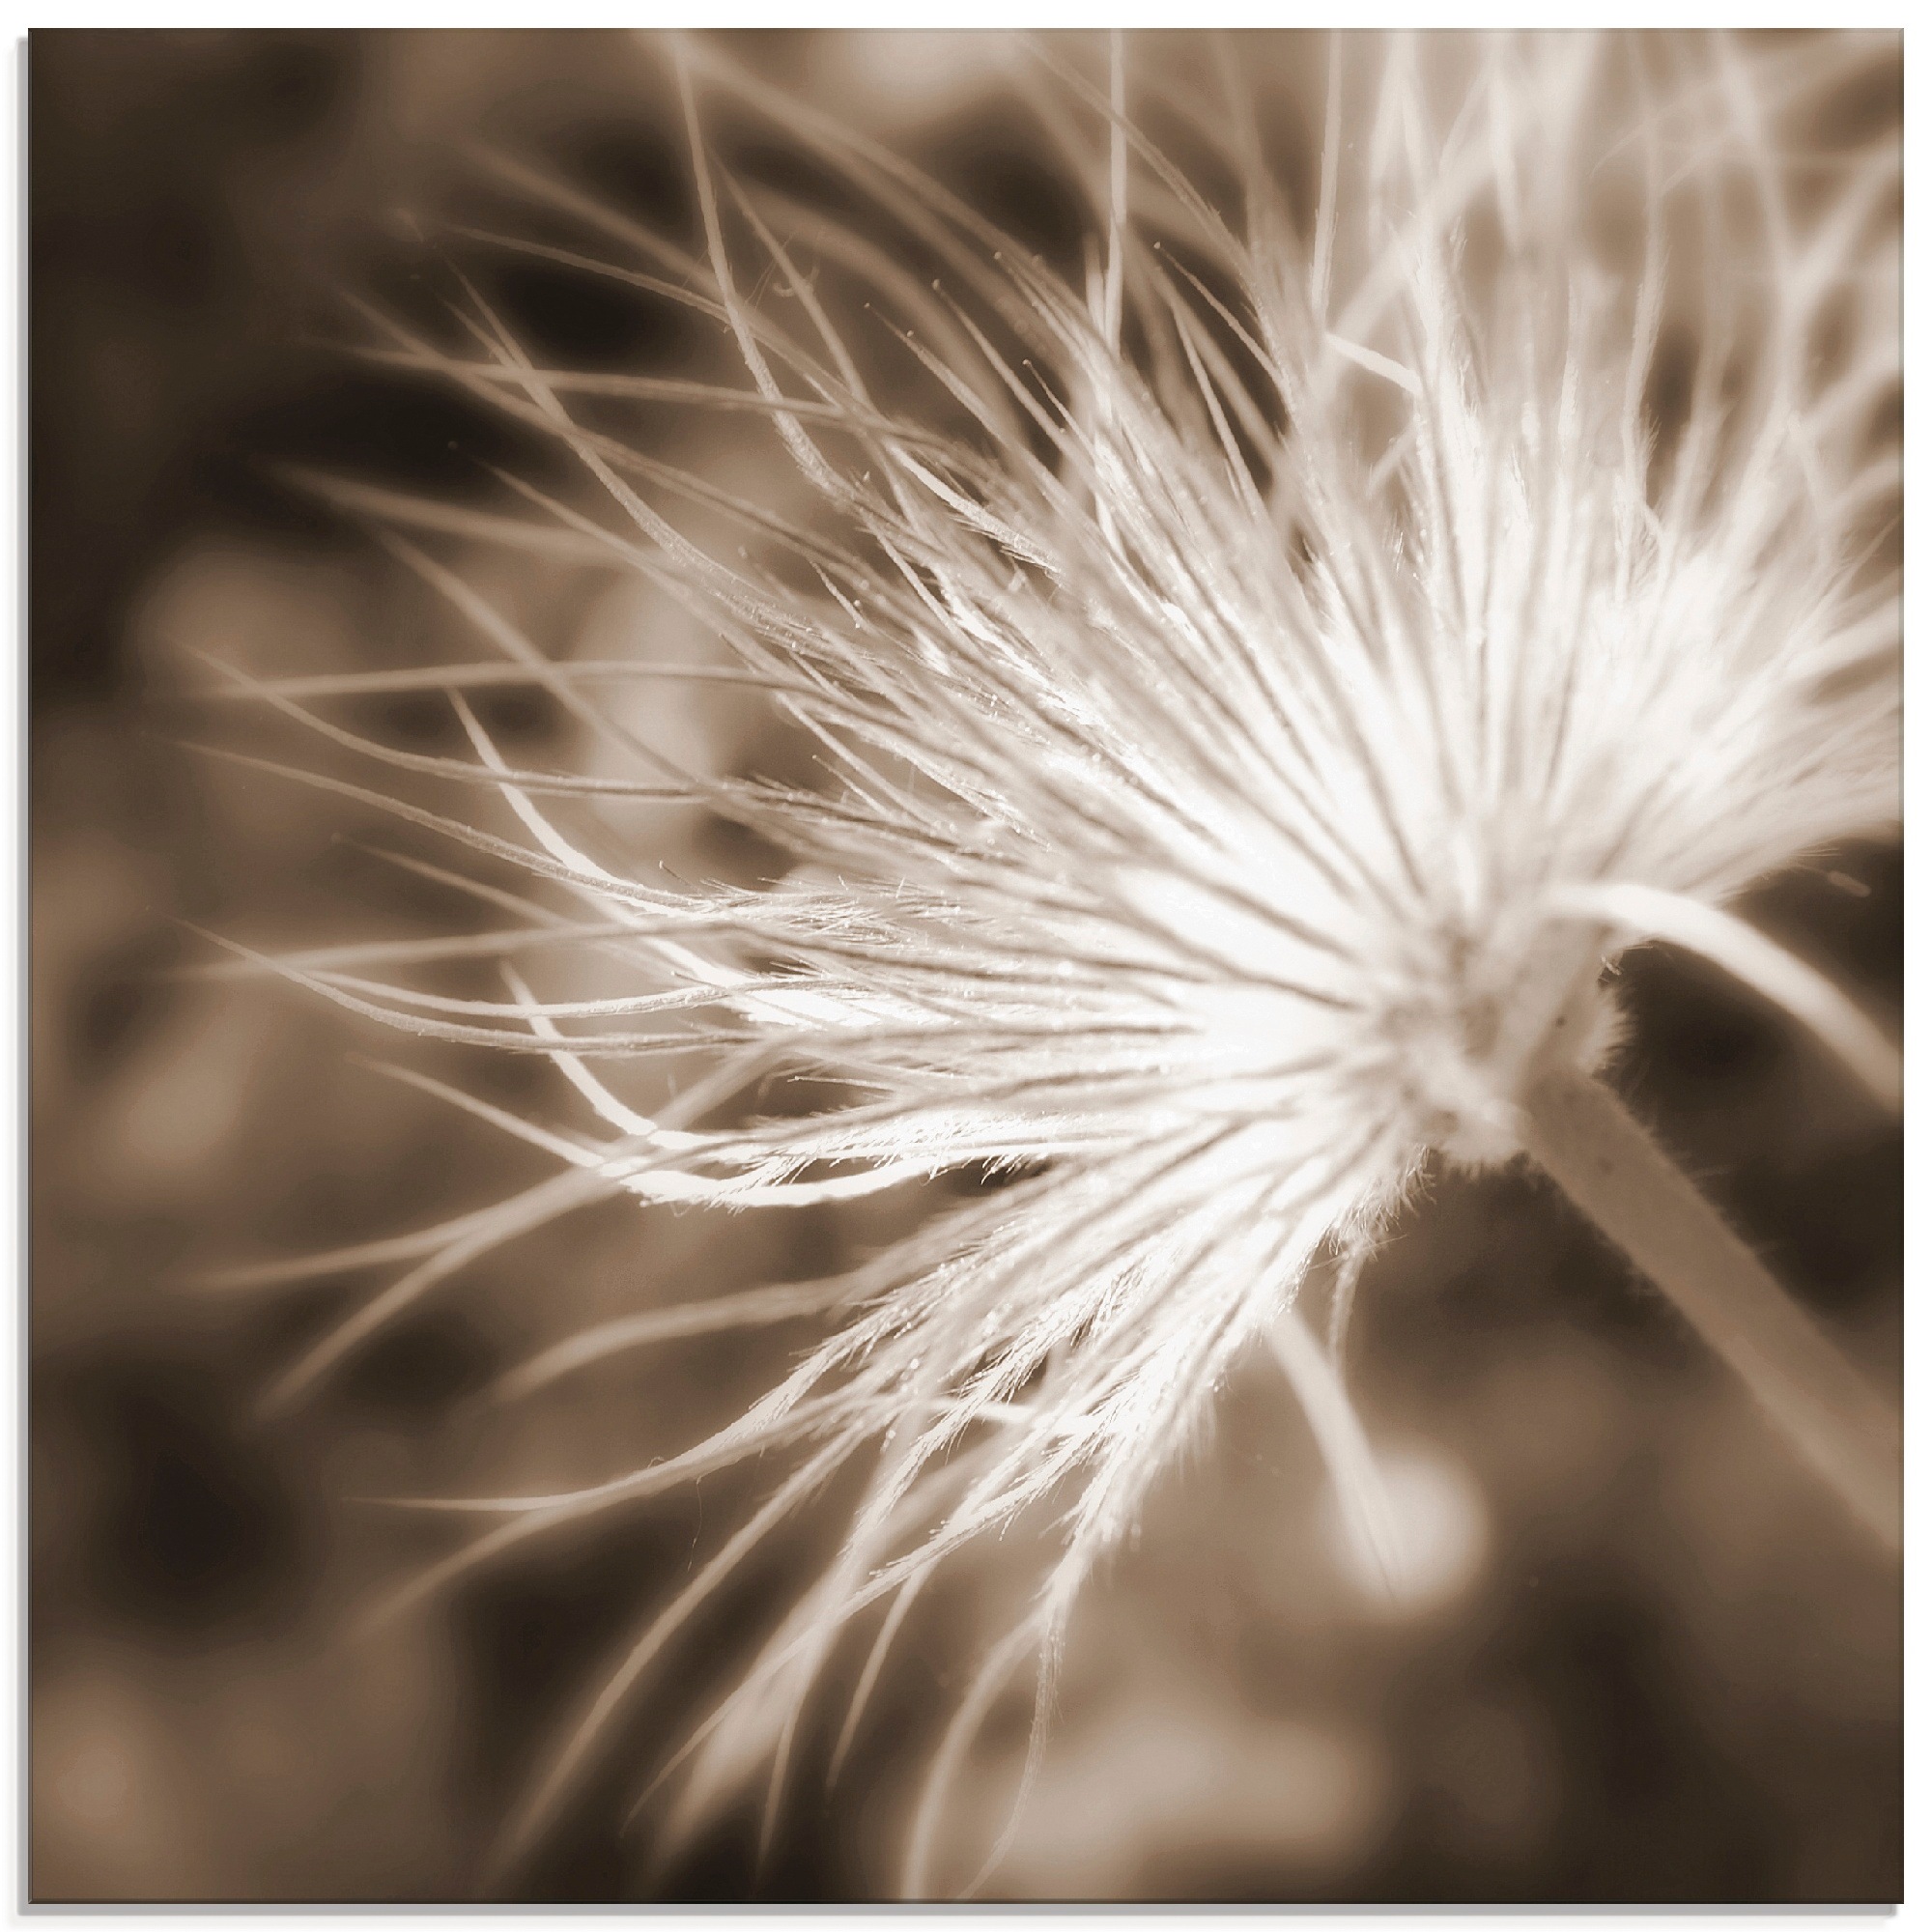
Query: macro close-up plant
(1053, 713)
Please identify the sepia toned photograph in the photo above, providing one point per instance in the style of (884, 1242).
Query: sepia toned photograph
(964, 966)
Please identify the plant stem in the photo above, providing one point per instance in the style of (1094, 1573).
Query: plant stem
(1608, 1165)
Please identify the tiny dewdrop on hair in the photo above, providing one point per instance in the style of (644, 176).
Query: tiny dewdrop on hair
(1262, 695)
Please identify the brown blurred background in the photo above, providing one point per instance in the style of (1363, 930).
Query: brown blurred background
(1643, 1657)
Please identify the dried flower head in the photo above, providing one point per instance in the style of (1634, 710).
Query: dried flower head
(1261, 684)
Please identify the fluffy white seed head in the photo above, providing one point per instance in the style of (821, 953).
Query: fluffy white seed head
(1253, 714)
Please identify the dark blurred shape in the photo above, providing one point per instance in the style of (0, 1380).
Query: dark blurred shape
(175, 182)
